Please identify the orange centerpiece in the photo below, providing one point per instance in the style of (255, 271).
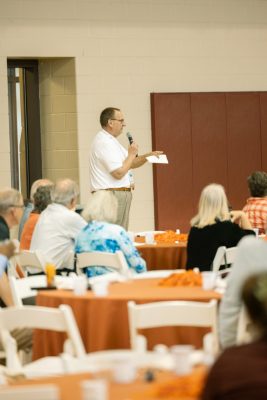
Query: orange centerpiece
(170, 237)
(187, 278)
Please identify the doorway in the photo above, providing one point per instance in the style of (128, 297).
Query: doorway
(24, 124)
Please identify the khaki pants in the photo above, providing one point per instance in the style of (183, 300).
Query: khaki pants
(124, 204)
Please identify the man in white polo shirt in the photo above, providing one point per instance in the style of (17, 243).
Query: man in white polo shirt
(110, 162)
(58, 225)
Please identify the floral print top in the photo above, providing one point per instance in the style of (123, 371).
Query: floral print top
(103, 236)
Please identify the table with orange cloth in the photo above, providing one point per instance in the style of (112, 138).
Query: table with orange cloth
(103, 321)
(166, 386)
(163, 255)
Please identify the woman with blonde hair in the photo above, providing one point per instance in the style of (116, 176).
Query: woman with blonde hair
(214, 226)
(102, 234)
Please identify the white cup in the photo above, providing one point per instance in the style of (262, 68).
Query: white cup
(100, 289)
(79, 285)
(182, 359)
(149, 236)
(94, 389)
(124, 369)
(256, 230)
(208, 280)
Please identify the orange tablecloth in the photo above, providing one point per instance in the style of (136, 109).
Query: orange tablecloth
(164, 255)
(103, 322)
(69, 385)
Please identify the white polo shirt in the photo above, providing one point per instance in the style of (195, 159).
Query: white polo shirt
(107, 155)
(55, 233)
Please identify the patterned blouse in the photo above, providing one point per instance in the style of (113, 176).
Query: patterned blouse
(256, 210)
(103, 236)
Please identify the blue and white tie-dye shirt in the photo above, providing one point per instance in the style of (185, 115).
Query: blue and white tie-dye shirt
(103, 236)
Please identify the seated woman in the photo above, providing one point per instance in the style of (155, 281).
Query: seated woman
(41, 199)
(241, 371)
(101, 234)
(214, 226)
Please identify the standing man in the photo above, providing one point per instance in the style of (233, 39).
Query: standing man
(110, 162)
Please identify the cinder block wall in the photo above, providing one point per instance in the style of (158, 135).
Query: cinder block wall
(58, 118)
(125, 49)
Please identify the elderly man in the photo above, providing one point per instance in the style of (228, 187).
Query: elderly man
(11, 209)
(110, 162)
(58, 226)
(29, 207)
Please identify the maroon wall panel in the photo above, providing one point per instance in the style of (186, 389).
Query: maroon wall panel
(171, 129)
(244, 143)
(208, 141)
(263, 110)
(208, 137)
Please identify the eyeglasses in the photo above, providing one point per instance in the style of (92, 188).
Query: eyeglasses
(119, 120)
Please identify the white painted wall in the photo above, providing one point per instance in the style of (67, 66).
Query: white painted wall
(125, 49)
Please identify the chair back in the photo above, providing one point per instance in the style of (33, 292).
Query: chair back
(56, 319)
(31, 260)
(114, 261)
(172, 313)
(40, 392)
(223, 257)
(22, 288)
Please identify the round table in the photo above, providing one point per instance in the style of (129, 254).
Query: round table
(103, 321)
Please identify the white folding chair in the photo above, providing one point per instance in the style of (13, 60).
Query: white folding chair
(56, 319)
(40, 392)
(32, 261)
(171, 313)
(22, 288)
(223, 257)
(115, 261)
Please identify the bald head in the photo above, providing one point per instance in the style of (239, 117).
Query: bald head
(65, 192)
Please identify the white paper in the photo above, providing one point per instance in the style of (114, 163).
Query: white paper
(162, 159)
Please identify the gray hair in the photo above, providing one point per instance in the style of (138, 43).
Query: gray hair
(212, 206)
(9, 198)
(64, 191)
(102, 206)
(37, 184)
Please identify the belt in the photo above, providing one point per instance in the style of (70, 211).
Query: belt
(121, 189)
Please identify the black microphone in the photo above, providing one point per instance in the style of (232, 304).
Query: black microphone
(130, 138)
